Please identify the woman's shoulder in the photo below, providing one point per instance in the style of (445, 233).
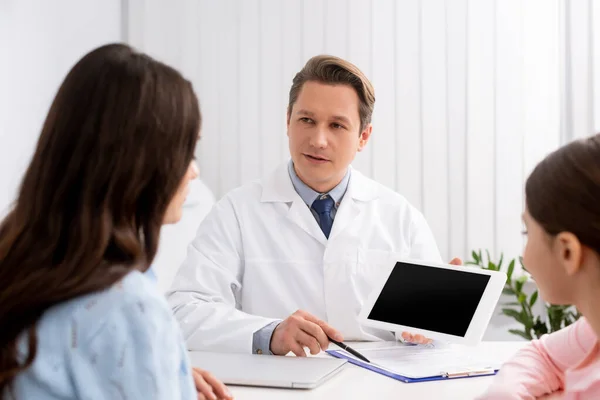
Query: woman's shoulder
(101, 336)
(135, 299)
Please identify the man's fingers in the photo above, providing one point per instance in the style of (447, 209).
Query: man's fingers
(331, 331)
(297, 349)
(420, 339)
(415, 339)
(309, 341)
(218, 387)
(315, 331)
(203, 387)
(328, 329)
(456, 261)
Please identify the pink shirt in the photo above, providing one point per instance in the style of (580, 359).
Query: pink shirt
(567, 360)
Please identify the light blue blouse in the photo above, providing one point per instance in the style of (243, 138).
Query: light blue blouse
(121, 343)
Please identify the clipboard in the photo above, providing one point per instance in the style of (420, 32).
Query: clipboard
(454, 374)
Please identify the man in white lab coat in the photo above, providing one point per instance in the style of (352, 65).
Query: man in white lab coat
(286, 262)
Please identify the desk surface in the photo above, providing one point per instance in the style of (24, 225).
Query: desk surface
(358, 383)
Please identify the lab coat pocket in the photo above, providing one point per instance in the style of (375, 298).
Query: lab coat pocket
(349, 281)
(371, 267)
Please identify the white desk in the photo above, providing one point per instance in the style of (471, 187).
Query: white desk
(358, 383)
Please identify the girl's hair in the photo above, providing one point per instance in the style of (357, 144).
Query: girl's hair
(563, 191)
(114, 148)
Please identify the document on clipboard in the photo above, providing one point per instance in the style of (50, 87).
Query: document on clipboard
(418, 363)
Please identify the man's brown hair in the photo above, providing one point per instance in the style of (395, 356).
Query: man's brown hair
(333, 70)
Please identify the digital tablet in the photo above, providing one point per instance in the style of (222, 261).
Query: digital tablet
(444, 302)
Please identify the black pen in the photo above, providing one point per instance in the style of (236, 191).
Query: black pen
(349, 349)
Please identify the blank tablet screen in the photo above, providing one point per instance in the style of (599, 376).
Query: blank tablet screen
(435, 299)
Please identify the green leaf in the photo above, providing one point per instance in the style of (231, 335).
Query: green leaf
(539, 328)
(556, 316)
(491, 266)
(512, 303)
(500, 262)
(520, 333)
(522, 265)
(533, 298)
(511, 268)
(519, 286)
(527, 316)
(475, 257)
(508, 291)
(488, 255)
(519, 283)
(522, 298)
(509, 312)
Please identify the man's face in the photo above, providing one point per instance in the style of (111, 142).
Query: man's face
(324, 133)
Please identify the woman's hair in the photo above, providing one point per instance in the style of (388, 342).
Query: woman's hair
(563, 191)
(115, 146)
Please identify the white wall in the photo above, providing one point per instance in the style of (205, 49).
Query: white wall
(468, 94)
(581, 62)
(39, 42)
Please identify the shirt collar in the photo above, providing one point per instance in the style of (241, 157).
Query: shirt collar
(150, 274)
(308, 195)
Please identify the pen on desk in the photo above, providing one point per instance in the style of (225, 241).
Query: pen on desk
(349, 350)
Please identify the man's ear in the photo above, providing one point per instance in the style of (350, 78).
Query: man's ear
(569, 252)
(364, 137)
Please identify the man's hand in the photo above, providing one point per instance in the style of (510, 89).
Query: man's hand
(300, 330)
(420, 339)
(455, 261)
(209, 387)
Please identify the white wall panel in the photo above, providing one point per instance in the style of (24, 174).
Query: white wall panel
(360, 36)
(434, 118)
(292, 57)
(384, 78)
(456, 103)
(509, 127)
(579, 56)
(251, 159)
(313, 20)
(467, 93)
(409, 140)
(481, 130)
(269, 94)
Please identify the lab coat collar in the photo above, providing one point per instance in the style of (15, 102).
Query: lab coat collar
(279, 188)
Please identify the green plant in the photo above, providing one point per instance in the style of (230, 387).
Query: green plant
(557, 317)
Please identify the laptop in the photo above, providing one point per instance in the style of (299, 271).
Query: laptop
(267, 371)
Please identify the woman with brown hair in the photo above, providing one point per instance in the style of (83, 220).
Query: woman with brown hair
(562, 217)
(78, 316)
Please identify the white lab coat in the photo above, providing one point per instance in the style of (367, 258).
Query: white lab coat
(260, 255)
